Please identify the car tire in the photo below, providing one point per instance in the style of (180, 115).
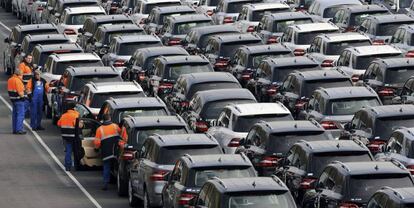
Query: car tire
(132, 199)
(122, 185)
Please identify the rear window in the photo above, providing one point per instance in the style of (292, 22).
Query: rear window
(184, 28)
(312, 85)
(305, 38)
(261, 200)
(350, 106)
(210, 86)
(398, 75)
(330, 12)
(281, 26)
(386, 125)
(163, 17)
(79, 19)
(282, 142)
(228, 49)
(176, 70)
(139, 112)
(149, 7)
(258, 58)
(128, 49)
(41, 60)
(235, 7)
(388, 29)
(335, 48)
(212, 110)
(257, 15)
(141, 134)
(362, 62)
(99, 98)
(44, 42)
(168, 155)
(202, 42)
(320, 160)
(79, 81)
(61, 66)
(358, 18)
(282, 72)
(202, 176)
(122, 33)
(244, 123)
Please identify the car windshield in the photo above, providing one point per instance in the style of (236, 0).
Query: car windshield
(127, 49)
(235, 7)
(364, 186)
(149, 7)
(202, 42)
(282, 142)
(61, 66)
(281, 26)
(168, 155)
(142, 134)
(388, 29)
(79, 19)
(122, 33)
(265, 200)
(305, 38)
(212, 110)
(210, 86)
(320, 160)
(282, 72)
(331, 11)
(202, 176)
(357, 18)
(350, 106)
(99, 98)
(398, 75)
(163, 17)
(312, 85)
(140, 112)
(184, 28)
(362, 62)
(177, 70)
(335, 48)
(244, 123)
(257, 15)
(228, 49)
(386, 125)
(79, 81)
(257, 59)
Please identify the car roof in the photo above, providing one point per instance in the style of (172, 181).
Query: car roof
(201, 77)
(390, 110)
(160, 51)
(224, 38)
(81, 1)
(406, 194)
(349, 36)
(395, 62)
(391, 18)
(84, 9)
(321, 74)
(347, 92)
(120, 27)
(75, 57)
(216, 160)
(36, 27)
(314, 27)
(182, 59)
(407, 132)
(333, 146)
(289, 15)
(108, 87)
(257, 49)
(132, 102)
(268, 5)
(173, 9)
(46, 37)
(159, 1)
(215, 29)
(370, 168)
(258, 109)
(190, 18)
(291, 126)
(364, 8)
(171, 140)
(149, 121)
(329, 3)
(290, 61)
(136, 38)
(250, 184)
(57, 47)
(374, 49)
(232, 1)
(224, 94)
(110, 18)
(92, 70)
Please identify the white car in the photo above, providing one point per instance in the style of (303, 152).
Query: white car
(235, 121)
(72, 19)
(37, 9)
(326, 9)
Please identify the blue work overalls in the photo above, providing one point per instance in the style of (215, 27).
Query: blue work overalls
(36, 104)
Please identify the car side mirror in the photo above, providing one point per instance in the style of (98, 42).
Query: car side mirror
(213, 122)
(57, 21)
(347, 126)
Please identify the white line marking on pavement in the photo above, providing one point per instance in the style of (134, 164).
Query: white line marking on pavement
(48, 150)
(5, 27)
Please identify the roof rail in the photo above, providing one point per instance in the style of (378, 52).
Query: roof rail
(244, 157)
(341, 164)
(219, 181)
(158, 137)
(395, 192)
(277, 180)
(189, 157)
(305, 142)
(398, 164)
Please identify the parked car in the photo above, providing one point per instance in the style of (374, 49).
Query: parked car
(395, 6)
(55, 8)
(36, 11)
(406, 96)
(144, 7)
(388, 197)
(326, 9)
(157, 16)
(227, 11)
(41, 52)
(401, 39)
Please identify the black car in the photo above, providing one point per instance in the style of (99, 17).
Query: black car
(244, 192)
(305, 162)
(191, 172)
(140, 65)
(374, 125)
(189, 84)
(196, 39)
(270, 74)
(351, 184)
(206, 106)
(387, 76)
(221, 48)
(41, 52)
(389, 197)
(248, 58)
(135, 131)
(168, 69)
(298, 87)
(267, 143)
(92, 23)
(14, 41)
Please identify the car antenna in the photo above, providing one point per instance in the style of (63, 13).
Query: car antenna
(401, 110)
(254, 184)
(376, 167)
(337, 146)
(219, 160)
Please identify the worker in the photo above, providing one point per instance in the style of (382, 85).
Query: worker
(107, 137)
(67, 124)
(36, 92)
(15, 88)
(26, 67)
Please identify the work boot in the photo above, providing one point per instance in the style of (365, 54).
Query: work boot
(67, 169)
(40, 128)
(105, 187)
(21, 132)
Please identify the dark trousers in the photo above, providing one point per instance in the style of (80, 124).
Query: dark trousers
(18, 115)
(68, 154)
(107, 171)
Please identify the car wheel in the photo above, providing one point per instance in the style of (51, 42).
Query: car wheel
(132, 199)
(122, 185)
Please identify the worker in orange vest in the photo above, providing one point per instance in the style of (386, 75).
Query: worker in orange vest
(26, 67)
(15, 88)
(67, 124)
(107, 138)
(36, 92)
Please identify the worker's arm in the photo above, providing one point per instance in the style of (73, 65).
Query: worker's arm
(97, 141)
(124, 137)
(20, 88)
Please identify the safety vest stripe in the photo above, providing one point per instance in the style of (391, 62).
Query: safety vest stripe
(67, 127)
(108, 157)
(109, 136)
(68, 135)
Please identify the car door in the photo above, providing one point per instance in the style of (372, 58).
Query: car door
(84, 147)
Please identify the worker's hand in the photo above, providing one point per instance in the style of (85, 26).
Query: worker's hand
(81, 124)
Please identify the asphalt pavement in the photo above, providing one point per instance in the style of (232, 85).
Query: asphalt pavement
(31, 172)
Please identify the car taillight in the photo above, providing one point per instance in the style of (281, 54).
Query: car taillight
(355, 78)
(409, 54)
(184, 198)
(269, 161)
(227, 20)
(210, 12)
(411, 169)
(246, 75)
(141, 76)
(201, 126)
(30, 2)
(39, 9)
(300, 105)
(386, 92)
(375, 145)
(235, 142)
(307, 183)
(128, 155)
(329, 125)
(378, 42)
(184, 104)
(327, 63)
(222, 63)
(299, 52)
(348, 205)
(165, 87)
(158, 175)
(174, 41)
(250, 28)
(272, 39)
(69, 32)
(119, 63)
(272, 90)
